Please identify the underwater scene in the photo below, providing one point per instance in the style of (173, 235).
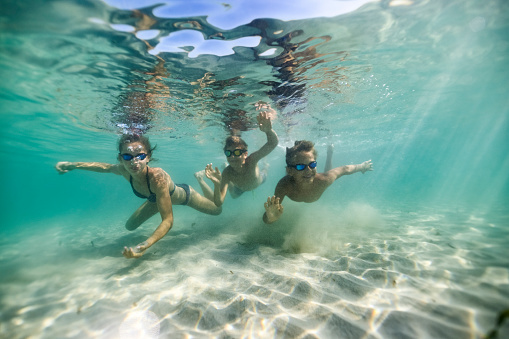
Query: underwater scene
(414, 244)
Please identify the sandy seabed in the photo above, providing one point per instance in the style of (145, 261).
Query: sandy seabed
(364, 273)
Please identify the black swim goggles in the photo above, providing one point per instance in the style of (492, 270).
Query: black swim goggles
(237, 152)
(301, 167)
(128, 157)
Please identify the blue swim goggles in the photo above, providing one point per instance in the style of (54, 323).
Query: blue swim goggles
(128, 157)
(238, 152)
(301, 167)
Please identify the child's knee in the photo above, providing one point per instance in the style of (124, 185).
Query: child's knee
(131, 226)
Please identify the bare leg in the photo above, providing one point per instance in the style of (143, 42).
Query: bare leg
(142, 214)
(328, 162)
(207, 191)
(202, 204)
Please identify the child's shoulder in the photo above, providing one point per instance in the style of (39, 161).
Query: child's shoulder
(325, 177)
(286, 181)
(227, 169)
(158, 172)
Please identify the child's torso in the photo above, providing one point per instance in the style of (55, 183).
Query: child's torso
(305, 192)
(246, 180)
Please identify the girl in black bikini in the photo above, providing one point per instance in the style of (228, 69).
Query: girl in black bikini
(150, 183)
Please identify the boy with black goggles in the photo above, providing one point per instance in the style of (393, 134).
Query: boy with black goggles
(242, 173)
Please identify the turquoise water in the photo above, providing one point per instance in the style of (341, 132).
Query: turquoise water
(416, 248)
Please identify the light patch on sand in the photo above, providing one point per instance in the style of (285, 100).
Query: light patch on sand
(459, 257)
(475, 220)
(496, 275)
(140, 324)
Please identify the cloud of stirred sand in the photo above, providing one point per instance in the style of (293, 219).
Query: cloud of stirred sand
(317, 228)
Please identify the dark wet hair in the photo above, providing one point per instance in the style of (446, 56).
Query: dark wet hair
(299, 146)
(234, 140)
(130, 138)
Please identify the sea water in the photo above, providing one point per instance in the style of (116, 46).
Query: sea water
(418, 248)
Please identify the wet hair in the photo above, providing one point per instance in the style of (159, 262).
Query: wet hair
(299, 146)
(130, 138)
(234, 141)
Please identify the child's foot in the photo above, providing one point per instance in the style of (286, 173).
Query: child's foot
(328, 161)
(330, 149)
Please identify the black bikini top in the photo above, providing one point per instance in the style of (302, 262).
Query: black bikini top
(151, 197)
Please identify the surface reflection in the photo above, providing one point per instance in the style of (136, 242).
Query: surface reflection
(231, 101)
(147, 94)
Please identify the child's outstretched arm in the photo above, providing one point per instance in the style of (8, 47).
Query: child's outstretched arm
(272, 140)
(101, 167)
(337, 172)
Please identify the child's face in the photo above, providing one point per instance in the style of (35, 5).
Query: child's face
(139, 154)
(236, 160)
(307, 174)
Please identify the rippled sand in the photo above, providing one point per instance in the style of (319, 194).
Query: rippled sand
(362, 273)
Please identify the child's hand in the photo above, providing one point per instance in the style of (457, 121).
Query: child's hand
(64, 167)
(213, 174)
(273, 209)
(264, 122)
(264, 107)
(135, 252)
(366, 166)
